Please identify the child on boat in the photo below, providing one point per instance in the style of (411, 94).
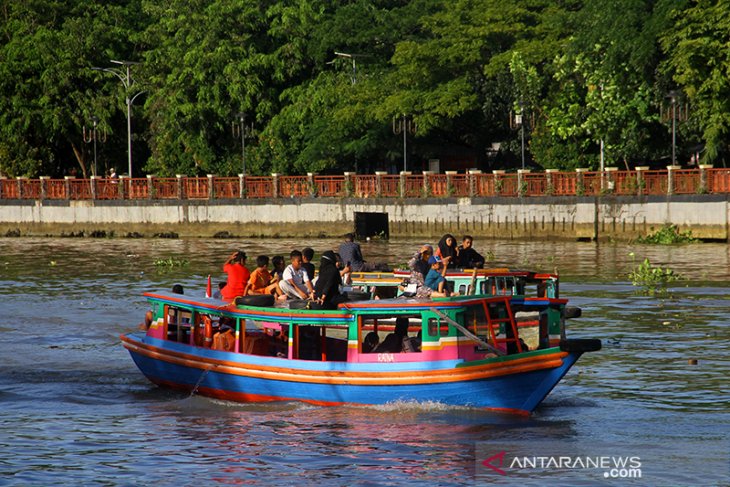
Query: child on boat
(435, 279)
(295, 282)
(307, 256)
(261, 281)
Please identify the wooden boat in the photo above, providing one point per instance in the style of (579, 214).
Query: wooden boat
(517, 284)
(468, 351)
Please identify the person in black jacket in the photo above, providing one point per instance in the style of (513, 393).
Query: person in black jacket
(468, 257)
(327, 291)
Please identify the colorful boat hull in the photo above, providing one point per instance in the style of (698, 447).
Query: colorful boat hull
(513, 383)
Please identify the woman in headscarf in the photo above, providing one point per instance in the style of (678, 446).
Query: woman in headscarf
(448, 251)
(327, 290)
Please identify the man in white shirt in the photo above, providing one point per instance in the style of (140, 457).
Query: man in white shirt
(295, 282)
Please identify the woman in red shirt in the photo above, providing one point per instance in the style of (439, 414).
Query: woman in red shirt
(238, 275)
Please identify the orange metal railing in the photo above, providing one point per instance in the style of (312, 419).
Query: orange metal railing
(294, 186)
(587, 183)
(226, 188)
(329, 186)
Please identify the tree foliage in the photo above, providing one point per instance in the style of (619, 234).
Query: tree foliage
(321, 82)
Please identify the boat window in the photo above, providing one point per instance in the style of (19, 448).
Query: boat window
(379, 332)
(178, 323)
(499, 286)
(475, 320)
(437, 327)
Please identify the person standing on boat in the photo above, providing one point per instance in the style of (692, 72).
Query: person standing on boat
(447, 248)
(295, 283)
(238, 275)
(352, 255)
(468, 257)
(327, 291)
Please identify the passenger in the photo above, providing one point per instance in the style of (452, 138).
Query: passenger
(260, 281)
(295, 283)
(447, 248)
(396, 342)
(278, 264)
(327, 292)
(419, 267)
(468, 257)
(238, 275)
(307, 256)
(148, 317)
(352, 255)
(419, 262)
(218, 294)
(370, 343)
(178, 289)
(435, 279)
(416, 341)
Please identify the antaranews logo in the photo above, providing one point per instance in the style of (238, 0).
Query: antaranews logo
(612, 467)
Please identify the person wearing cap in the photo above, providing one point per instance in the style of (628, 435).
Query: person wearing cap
(238, 275)
(435, 279)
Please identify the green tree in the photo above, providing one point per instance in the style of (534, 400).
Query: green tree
(47, 91)
(697, 58)
(605, 88)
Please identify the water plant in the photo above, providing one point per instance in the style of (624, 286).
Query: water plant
(668, 235)
(170, 262)
(652, 279)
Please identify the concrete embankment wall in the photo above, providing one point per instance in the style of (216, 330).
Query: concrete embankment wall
(585, 218)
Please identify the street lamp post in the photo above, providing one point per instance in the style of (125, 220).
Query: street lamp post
(673, 95)
(128, 82)
(245, 131)
(404, 125)
(352, 57)
(91, 136)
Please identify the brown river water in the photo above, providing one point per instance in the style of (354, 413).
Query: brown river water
(74, 410)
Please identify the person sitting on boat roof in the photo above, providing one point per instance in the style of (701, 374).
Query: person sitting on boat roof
(238, 275)
(419, 267)
(295, 282)
(219, 293)
(260, 281)
(435, 278)
(278, 264)
(307, 256)
(398, 341)
(447, 248)
(468, 257)
(352, 255)
(327, 291)
(370, 343)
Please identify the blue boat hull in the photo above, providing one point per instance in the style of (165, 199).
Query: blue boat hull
(515, 384)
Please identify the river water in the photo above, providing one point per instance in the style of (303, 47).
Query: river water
(74, 410)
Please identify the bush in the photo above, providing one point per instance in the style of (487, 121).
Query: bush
(653, 280)
(668, 235)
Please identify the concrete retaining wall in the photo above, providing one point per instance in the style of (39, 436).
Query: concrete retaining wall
(545, 217)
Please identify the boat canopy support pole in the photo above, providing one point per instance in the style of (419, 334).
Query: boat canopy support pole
(469, 334)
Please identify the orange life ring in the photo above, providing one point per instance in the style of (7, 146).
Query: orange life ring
(208, 333)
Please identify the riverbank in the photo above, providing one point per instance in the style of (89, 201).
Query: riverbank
(555, 218)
